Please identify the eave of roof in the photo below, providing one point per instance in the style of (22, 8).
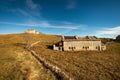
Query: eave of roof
(80, 40)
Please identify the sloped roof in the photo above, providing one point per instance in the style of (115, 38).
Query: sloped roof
(77, 38)
(69, 37)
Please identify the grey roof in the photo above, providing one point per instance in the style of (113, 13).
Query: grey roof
(69, 37)
(77, 38)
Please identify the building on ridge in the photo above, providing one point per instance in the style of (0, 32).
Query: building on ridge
(31, 31)
(75, 43)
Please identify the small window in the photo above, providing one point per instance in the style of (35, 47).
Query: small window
(74, 47)
(69, 47)
(88, 47)
(59, 48)
(83, 47)
(97, 47)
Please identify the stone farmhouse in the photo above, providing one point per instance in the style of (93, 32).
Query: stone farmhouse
(75, 43)
(31, 31)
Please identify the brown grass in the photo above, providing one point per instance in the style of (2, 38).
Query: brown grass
(15, 64)
(18, 64)
(90, 65)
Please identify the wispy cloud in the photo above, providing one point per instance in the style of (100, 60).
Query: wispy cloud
(109, 32)
(33, 8)
(71, 4)
(20, 24)
(45, 24)
(31, 4)
(30, 9)
(23, 12)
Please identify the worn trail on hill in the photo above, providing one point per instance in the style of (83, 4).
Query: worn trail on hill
(60, 74)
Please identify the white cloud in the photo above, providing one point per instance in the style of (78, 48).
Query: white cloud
(31, 4)
(71, 4)
(109, 32)
(45, 24)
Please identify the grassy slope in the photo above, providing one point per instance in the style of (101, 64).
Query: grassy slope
(93, 65)
(18, 64)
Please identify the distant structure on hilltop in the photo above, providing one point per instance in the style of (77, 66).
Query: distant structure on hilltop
(32, 31)
(75, 43)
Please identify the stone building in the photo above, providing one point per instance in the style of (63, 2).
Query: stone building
(75, 43)
(31, 31)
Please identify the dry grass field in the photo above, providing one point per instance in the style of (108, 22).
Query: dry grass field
(88, 65)
(18, 64)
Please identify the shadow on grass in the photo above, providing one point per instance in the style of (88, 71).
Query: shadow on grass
(19, 45)
(50, 47)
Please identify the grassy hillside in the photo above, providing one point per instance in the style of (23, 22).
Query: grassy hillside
(18, 64)
(93, 65)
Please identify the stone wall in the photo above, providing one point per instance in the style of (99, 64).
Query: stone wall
(81, 45)
(57, 48)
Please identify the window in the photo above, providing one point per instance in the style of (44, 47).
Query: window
(98, 47)
(86, 47)
(83, 47)
(59, 48)
(69, 47)
(72, 48)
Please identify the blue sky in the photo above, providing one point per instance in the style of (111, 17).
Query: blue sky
(63, 17)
